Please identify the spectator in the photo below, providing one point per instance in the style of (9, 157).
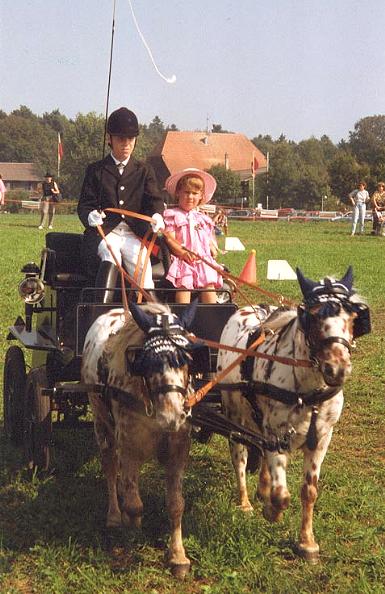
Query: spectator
(3, 189)
(220, 222)
(359, 199)
(47, 202)
(378, 208)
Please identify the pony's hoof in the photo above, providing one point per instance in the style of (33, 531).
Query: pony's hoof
(246, 508)
(309, 554)
(179, 571)
(114, 521)
(111, 537)
(271, 514)
(131, 521)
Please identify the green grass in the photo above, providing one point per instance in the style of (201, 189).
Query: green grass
(51, 530)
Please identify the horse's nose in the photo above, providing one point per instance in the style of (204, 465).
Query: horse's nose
(335, 375)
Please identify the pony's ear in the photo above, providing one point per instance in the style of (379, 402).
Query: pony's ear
(306, 284)
(347, 280)
(187, 316)
(143, 319)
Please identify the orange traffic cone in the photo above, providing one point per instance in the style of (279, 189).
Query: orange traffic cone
(249, 271)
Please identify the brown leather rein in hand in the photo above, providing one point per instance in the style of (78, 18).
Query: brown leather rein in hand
(279, 298)
(199, 394)
(250, 352)
(124, 274)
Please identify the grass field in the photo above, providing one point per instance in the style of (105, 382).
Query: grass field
(51, 536)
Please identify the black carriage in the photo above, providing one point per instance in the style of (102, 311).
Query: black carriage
(60, 306)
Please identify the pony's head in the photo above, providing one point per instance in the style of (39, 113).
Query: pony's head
(331, 317)
(163, 362)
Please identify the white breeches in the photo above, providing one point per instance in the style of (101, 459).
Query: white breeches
(126, 246)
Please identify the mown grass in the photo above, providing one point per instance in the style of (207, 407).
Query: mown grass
(52, 539)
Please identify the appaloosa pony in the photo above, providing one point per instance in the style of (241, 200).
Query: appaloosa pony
(142, 362)
(292, 406)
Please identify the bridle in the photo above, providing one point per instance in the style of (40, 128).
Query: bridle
(164, 343)
(331, 304)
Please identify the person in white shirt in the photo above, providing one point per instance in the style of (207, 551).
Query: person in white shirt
(359, 199)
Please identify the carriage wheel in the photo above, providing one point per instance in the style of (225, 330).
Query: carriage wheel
(13, 394)
(37, 421)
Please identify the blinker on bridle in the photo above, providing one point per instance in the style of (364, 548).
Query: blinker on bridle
(165, 342)
(332, 296)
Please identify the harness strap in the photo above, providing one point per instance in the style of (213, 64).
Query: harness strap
(201, 393)
(171, 388)
(150, 247)
(219, 423)
(128, 400)
(138, 262)
(339, 340)
(312, 437)
(251, 352)
(285, 396)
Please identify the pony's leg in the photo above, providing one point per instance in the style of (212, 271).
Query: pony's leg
(178, 451)
(132, 505)
(307, 546)
(234, 406)
(106, 441)
(264, 483)
(239, 455)
(274, 492)
(110, 469)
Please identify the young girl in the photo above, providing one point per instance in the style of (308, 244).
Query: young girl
(194, 231)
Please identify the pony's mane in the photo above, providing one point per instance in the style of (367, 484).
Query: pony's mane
(279, 318)
(129, 335)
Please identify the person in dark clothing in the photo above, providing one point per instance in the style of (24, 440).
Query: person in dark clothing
(118, 181)
(47, 202)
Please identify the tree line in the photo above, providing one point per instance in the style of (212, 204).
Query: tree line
(301, 174)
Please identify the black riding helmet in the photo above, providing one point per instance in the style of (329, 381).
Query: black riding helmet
(123, 122)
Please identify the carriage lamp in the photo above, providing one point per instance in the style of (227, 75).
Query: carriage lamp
(30, 269)
(31, 288)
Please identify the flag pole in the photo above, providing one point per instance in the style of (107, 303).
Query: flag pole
(58, 155)
(253, 182)
(267, 180)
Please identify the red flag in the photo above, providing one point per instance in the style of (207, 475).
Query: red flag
(59, 148)
(254, 165)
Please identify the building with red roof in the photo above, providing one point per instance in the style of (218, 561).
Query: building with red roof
(203, 150)
(20, 176)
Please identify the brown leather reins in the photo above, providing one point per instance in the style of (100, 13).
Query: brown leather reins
(248, 352)
(227, 275)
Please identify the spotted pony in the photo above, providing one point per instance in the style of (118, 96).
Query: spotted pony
(293, 407)
(143, 366)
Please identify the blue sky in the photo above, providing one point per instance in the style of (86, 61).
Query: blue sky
(297, 67)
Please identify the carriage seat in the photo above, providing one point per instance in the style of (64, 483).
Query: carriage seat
(64, 267)
(63, 260)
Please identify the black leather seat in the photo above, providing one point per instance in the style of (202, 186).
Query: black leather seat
(64, 265)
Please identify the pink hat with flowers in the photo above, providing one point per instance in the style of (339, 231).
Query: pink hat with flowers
(209, 182)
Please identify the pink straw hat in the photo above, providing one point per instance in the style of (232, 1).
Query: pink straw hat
(209, 181)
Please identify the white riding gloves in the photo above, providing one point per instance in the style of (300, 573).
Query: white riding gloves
(95, 218)
(158, 222)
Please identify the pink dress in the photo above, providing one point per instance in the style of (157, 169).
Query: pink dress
(3, 189)
(195, 231)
